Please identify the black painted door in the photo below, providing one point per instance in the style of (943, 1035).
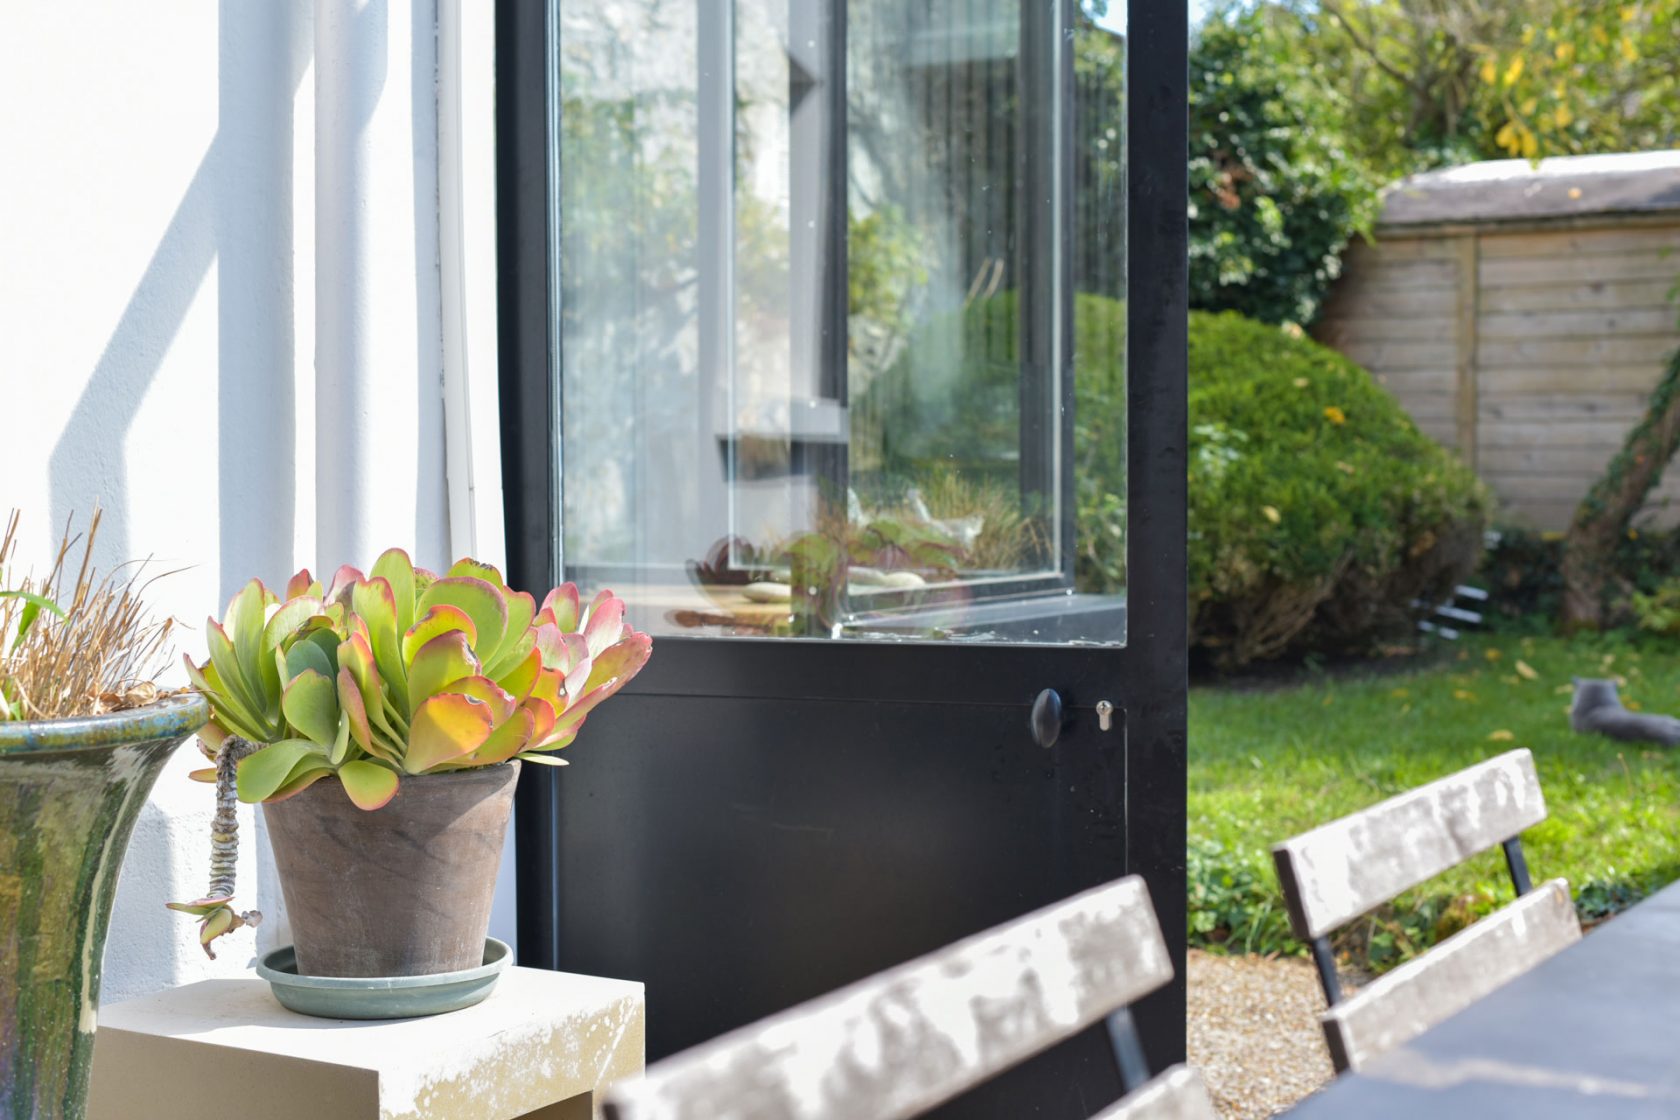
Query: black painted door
(845, 341)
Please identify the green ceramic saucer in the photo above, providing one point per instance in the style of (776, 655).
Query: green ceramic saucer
(382, 997)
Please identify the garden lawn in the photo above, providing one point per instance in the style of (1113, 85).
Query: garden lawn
(1268, 763)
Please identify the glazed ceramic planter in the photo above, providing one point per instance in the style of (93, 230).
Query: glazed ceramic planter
(70, 792)
(404, 890)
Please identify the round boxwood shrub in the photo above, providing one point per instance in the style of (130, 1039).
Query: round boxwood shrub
(1318, 512)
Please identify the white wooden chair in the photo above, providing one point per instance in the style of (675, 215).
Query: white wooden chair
(1350, 866)
(908, 1039)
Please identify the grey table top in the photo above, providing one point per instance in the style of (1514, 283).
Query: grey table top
(1592, 1032)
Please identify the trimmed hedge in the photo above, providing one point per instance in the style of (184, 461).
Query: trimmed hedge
(1318, 511)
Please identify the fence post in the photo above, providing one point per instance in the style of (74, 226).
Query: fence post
(1469, 284)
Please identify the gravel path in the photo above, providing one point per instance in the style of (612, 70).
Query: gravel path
(1254, 1032)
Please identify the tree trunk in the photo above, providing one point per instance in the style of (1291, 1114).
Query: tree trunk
(1603, 517)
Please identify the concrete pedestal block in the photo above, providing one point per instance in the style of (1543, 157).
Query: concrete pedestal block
(543, 1047)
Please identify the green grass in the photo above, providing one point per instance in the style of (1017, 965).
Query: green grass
(1266, 764)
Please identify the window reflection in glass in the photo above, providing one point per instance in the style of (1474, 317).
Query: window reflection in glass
(828, 272)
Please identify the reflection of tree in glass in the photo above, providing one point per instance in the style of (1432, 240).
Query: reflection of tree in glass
(886, 281)
(628, 303)
(960, 444)
(632, 217)
(935, 122)
(1098, 239)
(945, 420)
(1099, 444)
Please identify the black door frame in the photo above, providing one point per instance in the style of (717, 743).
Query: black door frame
(1146, 679)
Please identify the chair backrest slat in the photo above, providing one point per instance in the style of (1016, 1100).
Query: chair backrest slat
(1177, 1094)
(1459, 971)
(1337, 872)
(914, 1036)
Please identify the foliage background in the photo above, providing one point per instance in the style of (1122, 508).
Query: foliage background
(1275, 194)
(1302, 109)
(1415, 84)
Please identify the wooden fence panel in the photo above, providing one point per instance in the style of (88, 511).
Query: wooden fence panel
(1579, 242)
(1529, 353)
(1607, 295)
(1575, 268)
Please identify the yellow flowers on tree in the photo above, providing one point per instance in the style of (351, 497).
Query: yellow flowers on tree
(1418, 84)
(1585, 77)
(1413, 74)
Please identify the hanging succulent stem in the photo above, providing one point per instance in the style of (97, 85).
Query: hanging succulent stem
(216, 907)
(224, 826)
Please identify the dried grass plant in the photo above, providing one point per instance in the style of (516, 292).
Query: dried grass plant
(82, 648)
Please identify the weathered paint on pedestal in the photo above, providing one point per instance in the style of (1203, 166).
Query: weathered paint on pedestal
(544, 1046)
(70, 792)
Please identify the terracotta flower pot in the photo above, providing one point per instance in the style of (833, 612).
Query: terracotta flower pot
(70, 792)
(400, 891)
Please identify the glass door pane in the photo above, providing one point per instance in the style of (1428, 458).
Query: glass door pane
(841, 316)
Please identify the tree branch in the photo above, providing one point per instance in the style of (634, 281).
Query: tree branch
(1368, 47)
(1605, 513)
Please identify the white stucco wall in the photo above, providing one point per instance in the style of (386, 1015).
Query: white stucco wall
(159, 311)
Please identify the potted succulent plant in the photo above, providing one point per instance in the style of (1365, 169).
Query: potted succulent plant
(84, 732)
(381, 722)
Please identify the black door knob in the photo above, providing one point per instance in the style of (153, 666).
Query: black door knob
(1047, 718)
